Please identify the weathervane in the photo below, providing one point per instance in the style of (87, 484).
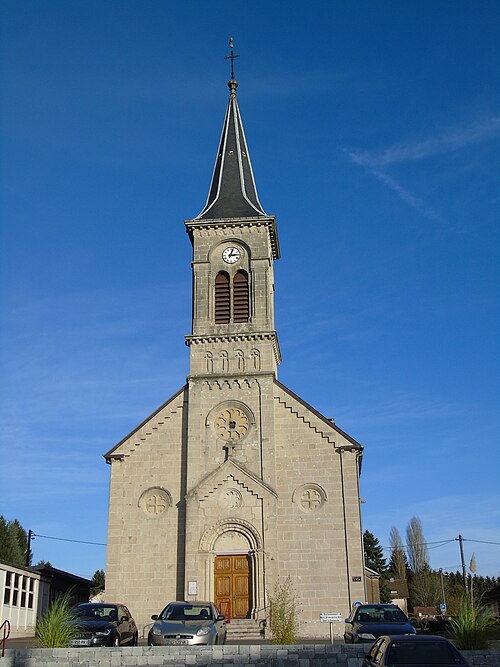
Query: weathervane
(231, 57)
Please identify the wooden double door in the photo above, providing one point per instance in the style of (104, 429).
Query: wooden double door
(233, 590)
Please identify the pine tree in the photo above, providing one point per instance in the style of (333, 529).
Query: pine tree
(375, 560)
(99, 579)
(13, 542)
(374, 554)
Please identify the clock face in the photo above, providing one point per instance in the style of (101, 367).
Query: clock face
(231, 255)
(231, 424)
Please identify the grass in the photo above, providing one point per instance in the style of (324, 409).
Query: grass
(473, 627)
(58, 625)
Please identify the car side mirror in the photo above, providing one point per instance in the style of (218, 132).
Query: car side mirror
(123, 619)
(414, 622)
(154, 617)
(221, 618)
(348, 620)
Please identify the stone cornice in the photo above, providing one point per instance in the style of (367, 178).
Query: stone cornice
(236, 223)
(238, 337)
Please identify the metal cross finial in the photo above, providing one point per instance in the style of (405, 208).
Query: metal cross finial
(232, 56)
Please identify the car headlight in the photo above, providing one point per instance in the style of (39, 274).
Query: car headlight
(205, 630)
(103, 633)
(366, 635)
(156, 630)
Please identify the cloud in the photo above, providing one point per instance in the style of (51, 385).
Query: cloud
(375, 162)
(450, 141)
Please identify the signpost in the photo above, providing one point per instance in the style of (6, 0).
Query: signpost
(331, 618)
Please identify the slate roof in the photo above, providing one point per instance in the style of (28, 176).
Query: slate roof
(232, 192)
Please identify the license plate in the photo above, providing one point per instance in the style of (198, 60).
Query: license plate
(80, 642)
(176, 642)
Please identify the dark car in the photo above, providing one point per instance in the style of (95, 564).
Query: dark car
(369, 621)
(104, 624)
(414, 651)
(188, 623)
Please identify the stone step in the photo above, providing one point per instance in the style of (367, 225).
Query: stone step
(244, 628)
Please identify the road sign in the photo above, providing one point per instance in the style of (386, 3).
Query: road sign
(330, 618)
(357, 603)
(442, 608)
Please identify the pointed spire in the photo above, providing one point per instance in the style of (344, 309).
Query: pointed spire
(232, 192)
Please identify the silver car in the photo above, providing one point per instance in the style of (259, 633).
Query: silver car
(188, 623)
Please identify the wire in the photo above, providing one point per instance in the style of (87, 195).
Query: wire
(62, 539)
(424, 544)
(480, 541)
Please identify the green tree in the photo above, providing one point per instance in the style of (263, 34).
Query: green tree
(99, 579)
(375, 560)
(284, 613)
(425, 588)
(13, 542)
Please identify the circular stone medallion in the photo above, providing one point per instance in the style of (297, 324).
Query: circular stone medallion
(230, 499)
(231, 424)
(154, 501)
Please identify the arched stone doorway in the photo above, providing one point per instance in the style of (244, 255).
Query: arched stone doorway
(234, 576)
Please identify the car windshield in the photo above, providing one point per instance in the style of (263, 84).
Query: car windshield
(427, 652)
(379, 614)
(186, 612)
(98, 612)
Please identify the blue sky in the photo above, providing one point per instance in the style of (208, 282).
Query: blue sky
(374, 131)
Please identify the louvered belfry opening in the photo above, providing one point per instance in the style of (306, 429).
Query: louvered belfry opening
(241, 302)
(222, 298)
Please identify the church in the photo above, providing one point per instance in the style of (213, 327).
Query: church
(235, 482)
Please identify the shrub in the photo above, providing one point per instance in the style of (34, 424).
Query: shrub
(58, 625)
(473, 626)
(284, 614)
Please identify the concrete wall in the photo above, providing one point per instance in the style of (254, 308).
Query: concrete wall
(244, 655)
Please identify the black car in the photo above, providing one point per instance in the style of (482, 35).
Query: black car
(369, 621)
(414, 651)
(104, 624)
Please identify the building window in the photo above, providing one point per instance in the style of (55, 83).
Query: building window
(8, 581)
(241, 302)
(222, 298)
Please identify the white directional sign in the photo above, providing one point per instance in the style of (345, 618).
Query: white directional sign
(330, 618)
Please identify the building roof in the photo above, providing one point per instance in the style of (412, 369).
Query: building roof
(398, 588)
(54, 573)
(232, 192)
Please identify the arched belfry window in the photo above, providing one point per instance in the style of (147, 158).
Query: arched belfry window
(241, 302)
(222, 298)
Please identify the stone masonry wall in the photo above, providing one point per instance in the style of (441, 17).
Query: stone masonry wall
(300, 655)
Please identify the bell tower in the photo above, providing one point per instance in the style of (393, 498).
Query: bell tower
(235, 243)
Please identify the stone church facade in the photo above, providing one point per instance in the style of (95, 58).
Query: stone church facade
(235, 482)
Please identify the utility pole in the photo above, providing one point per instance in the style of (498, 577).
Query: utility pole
(464, 570)
(28, 548)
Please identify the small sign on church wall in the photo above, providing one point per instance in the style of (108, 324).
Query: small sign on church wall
(192, 588)
(356, 578)
(330, 618)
